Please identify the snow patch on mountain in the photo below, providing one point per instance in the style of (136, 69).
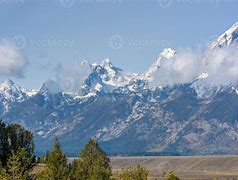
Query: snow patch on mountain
(105, 78)
(31, 92)
(227, 38)
(10, 93)
(10, 90)
(114, 76)
(167, 53)
(186, 112)
(114, 130)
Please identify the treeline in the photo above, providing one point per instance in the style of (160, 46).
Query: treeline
(16, 152)
(18, 161)
(146, 154)
(92, 164)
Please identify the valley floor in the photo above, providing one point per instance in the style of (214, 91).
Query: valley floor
(185, 167)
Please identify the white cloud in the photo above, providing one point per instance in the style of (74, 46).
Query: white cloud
(70, 79)
(182, 68)
(12, 62)
(221, 66)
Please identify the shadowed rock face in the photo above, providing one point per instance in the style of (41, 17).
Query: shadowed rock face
(172, 120)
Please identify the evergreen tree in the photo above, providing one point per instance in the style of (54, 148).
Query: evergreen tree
(13, 137)
(71, 171)
(134, 173)
(18, 165)
(93, 163)
(4, 145)
(16, 152)
(56, 164)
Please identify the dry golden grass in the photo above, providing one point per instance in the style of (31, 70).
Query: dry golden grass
(187, 168)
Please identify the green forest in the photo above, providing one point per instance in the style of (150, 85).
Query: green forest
(18, 161)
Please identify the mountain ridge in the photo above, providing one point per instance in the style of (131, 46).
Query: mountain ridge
(126, 115)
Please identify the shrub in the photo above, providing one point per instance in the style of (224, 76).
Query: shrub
(134, 173)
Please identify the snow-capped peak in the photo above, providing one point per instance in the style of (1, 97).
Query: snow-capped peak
(203, 87)
(167, 53)
(227, 38)
(8, 87)
(105, 78)
(112, 71)
(106, 63)
(114, 76)
(10, 93)
(8, 83)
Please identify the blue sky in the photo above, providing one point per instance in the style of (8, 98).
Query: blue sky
(130, 33)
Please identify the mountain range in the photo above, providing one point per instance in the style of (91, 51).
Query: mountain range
(130, 113)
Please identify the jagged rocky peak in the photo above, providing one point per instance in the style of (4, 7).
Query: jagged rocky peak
(8, 87)
(167, 53)
(50, 86)
(110, 68)
(7, 84)
(9, 94)
(227, 38)
(104, 78)
(112, 75)
(106, 63)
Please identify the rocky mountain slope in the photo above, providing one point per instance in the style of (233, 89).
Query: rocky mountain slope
(126, 115)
